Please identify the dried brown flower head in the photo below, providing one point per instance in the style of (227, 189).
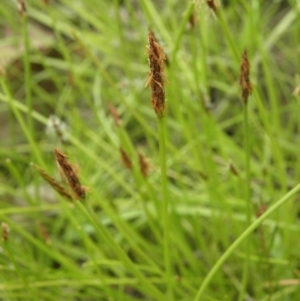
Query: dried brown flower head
(233, 169)
(244, 77)
(156, 77)
(70, 173)
(125, 159)
(212, 5)
(193, 19)
(114, 113)
(144, 165)
(55, 185)
(22, 7)
(44, 234)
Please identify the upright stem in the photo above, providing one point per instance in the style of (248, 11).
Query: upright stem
(165, 204)
(247, 197)
(255, 224)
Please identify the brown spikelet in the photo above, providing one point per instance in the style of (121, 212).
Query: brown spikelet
(233, 169)
(212, 5)
(55, 185)
(156, 76)
(22, 7)
(144, 165)
(114, 113)
(192, 19)
(125, 159)
(70, 173)
(44, 234)
(5, 230)
(244, 77)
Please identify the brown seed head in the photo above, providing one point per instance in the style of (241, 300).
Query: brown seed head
(70, 174)
(156, 77)
(233, 169)
(244, 77)
(125, 159)
(193, 19)
(212, 5)
(22, 7)
(144, 165)
(114, 113)
(55, 185)
(5, 230)
(44, 234)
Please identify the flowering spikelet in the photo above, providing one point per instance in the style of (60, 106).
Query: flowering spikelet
(44, 234)
(125, 159)
(244, 77)
(212, 5)
(22, 7)
(233, 169)
(55, 185)
(193, 19)
(156, 77)
(114, 113)
(70, 174)
(144, 165)
(5, 231)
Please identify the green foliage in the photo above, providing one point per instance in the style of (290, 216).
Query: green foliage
(217, 216)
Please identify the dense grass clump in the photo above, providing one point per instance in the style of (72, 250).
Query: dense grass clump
(185, 190)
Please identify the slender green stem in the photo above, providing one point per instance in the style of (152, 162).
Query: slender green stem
(230, 41)
(165, 203)
(247, 197)
(241, 238)
(181, 29)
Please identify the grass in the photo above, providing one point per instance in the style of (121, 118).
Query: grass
(212, 214)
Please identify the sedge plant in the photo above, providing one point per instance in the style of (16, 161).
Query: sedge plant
(111, 191)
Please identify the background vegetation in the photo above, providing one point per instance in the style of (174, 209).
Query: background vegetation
(68, 69)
